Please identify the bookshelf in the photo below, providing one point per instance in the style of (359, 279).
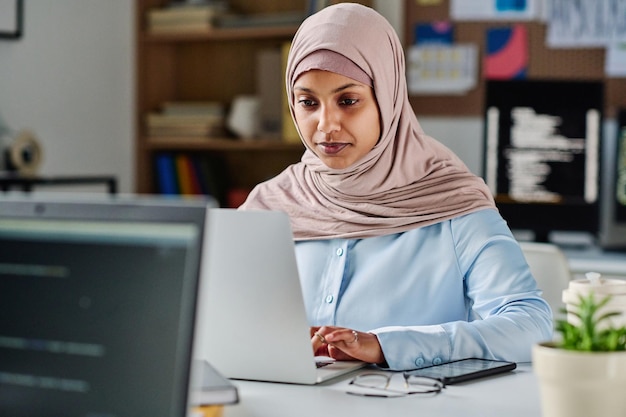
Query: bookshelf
(213, 65)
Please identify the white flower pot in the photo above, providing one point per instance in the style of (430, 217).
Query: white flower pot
(616, 288)
(580, 384)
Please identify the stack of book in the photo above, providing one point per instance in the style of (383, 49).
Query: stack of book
(187, 119)
(184, 18)
(238, 20)
(189, 174)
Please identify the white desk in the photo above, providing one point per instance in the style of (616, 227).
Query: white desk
(513, 394)
(611, 264)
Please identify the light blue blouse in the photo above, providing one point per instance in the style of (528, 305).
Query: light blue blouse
(457, 289)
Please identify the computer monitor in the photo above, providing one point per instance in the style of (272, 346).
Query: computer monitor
(543, 154)
(613, 206)
(97, 306)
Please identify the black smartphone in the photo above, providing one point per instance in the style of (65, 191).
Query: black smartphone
(463, 370)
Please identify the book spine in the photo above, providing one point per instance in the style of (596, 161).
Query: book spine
(184, 178)
(166, 174)
(214, 172)
(194, 176)
(201, 175)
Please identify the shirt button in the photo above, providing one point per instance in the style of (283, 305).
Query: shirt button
(339, 252)
(329, 299)
(437, 361)
(419, 362)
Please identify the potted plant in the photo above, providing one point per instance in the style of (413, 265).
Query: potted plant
(583, 373)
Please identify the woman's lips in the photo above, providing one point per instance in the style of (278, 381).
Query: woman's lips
(331, 148)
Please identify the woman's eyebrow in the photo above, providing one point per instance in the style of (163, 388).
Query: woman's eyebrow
(346, 86)
(336, 90)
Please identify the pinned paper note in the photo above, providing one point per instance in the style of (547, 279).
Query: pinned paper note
(440, 32)
(442, 69)
(495, 9)
(506, 53)
(585, 23)
(615, 64)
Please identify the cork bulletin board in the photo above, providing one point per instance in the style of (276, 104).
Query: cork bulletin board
(544, 62)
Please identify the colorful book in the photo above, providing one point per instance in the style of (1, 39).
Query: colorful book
(194, 176)
(186, 182)
(214, 172)
(166, 174)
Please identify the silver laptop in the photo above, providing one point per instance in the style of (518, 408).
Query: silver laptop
(97, 306)
(252, 322)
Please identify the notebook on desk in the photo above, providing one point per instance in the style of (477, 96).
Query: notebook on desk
(252, 321)
(97, 306)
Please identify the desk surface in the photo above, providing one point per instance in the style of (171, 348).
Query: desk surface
(513, 394)
(595, 259)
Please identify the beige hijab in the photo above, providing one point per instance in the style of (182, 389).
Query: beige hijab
(408, 180)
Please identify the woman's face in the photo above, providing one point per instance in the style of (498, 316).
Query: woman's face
(337, 116)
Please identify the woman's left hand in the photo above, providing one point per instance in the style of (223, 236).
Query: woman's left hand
(346, 344)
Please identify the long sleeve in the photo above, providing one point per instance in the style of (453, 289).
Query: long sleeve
(460, 288)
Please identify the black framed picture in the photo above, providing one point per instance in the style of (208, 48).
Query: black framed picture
(11, 15)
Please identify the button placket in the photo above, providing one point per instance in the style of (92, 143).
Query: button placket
(334, 278)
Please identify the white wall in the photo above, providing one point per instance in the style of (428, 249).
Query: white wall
(393, 11)
(70, 80)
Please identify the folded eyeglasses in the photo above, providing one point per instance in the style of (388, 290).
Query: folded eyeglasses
(377, 384)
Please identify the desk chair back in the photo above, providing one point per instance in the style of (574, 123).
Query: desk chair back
(550, 268)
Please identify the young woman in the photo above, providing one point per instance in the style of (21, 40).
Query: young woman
(404, 259)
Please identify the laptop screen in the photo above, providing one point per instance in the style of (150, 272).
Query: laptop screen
(96, 310)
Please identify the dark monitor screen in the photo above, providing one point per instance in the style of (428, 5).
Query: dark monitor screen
(613, 206)
(96, 307)
(543, 153)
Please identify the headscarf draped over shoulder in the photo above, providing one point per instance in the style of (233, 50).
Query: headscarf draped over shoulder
(408, 180)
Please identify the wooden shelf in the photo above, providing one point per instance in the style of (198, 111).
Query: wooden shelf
(217, 65)
(218, 144)
(213, 65)
(218, 34)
